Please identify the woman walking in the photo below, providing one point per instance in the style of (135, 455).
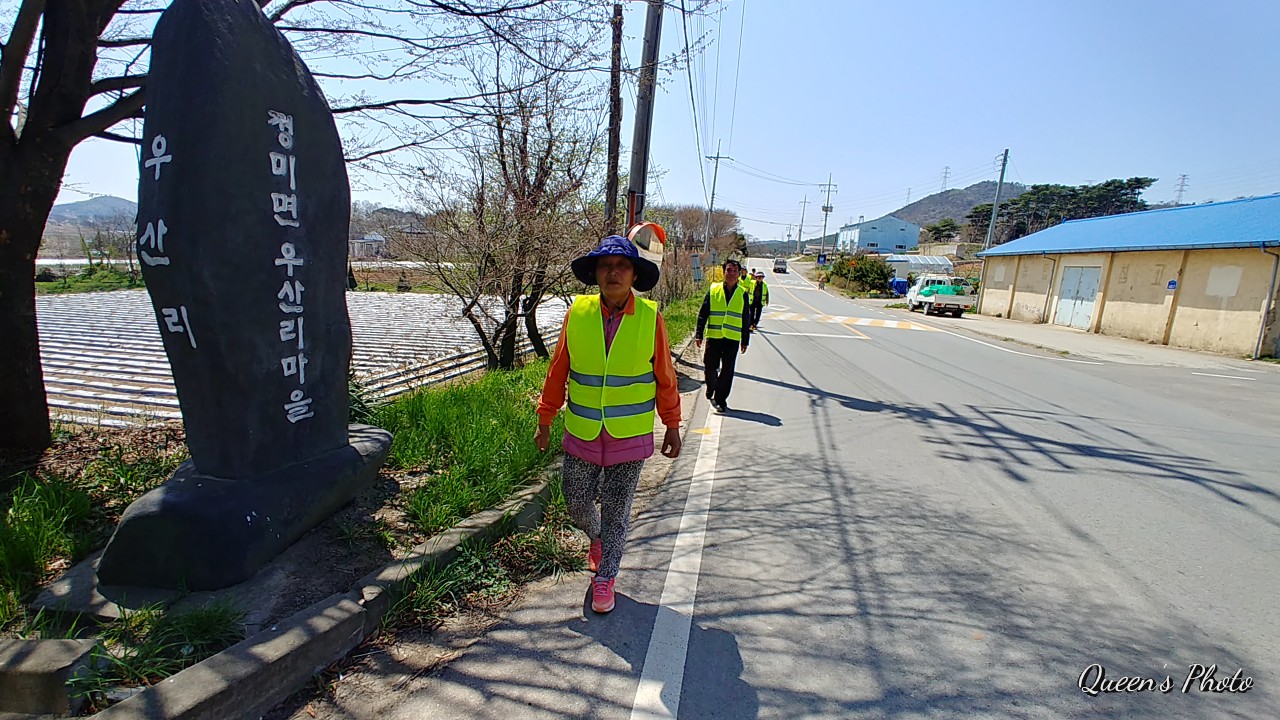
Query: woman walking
(614, 359)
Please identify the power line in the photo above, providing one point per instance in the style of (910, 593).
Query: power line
(737, 71)
(715, 104)
(767, 176)
(688, 65)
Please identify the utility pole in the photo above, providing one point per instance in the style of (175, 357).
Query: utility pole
(908, 197)
(995, 205)
(1182, 188)
(826, 211)
(615, 125)
(706, 240)
(804, 205)
(644, 114)
(946, 175)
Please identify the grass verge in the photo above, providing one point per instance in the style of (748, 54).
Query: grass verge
(485, 577)
(466, 446)
(67, 505)
(681, 317)
(148, 645)
(87, 279)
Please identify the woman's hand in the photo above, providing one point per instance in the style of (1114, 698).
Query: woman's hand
(542, 437)
(671, 443)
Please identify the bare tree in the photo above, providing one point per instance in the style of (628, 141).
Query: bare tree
(76, 69)
(113, 238)
(504, 222)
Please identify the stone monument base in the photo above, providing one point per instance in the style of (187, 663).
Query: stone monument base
(197, 532)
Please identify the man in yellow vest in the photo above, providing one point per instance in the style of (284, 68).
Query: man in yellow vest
(724, 322)
(614, 358)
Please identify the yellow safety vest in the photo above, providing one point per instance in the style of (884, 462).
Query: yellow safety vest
(749, 285)
(616, 390)
(726, 313)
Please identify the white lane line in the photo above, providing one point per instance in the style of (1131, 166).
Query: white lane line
(1005, 349)
(1229, 377)
(658, 695)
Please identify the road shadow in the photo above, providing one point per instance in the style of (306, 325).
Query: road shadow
(1006, 438)
(756, 417)
(855, 596)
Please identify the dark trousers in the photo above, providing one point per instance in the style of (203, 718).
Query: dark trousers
(719, 355)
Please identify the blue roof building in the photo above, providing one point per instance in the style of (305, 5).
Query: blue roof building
(1200, 276)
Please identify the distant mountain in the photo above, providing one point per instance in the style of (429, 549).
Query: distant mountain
(955, 203)
(98, 208)
(771, 248)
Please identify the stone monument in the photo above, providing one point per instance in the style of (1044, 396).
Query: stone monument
(243, 213)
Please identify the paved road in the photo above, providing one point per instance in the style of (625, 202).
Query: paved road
(901, 520)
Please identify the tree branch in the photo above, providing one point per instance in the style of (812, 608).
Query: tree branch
(125, 42)
(126, 107)
(15, 54)
(383, 151)
(390, 104)
(118, 138)
(123, 82)
(291, 5)
(466, 11)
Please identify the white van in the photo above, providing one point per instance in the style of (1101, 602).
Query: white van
(780, 265)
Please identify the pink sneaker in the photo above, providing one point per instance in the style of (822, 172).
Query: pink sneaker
(602, 594)
(594, 555)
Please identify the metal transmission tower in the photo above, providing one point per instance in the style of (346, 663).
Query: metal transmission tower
(1182, 188)
(995, 205)
(946, 175)
(826, 211)
(711, 208)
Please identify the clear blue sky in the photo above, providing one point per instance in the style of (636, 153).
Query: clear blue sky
(883, 96)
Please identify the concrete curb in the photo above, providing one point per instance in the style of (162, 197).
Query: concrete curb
(250, 678)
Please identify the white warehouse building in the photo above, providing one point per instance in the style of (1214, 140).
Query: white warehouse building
(886, 235)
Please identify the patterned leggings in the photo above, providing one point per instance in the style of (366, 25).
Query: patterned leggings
(582, 484)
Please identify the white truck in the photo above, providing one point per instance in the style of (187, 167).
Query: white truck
(940, 294)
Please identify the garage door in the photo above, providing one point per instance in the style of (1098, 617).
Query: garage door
(1078, 293)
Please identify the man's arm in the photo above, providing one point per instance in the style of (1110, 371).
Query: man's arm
(703, 315)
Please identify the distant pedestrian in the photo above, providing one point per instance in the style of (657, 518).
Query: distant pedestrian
(760, 298)
(725, 322)
(614, 358)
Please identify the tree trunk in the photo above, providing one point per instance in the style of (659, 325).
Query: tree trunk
(28, 186)
(491, 357)
(507, 341)
(531, 302)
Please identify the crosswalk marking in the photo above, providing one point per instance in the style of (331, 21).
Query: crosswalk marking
(851, 321)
